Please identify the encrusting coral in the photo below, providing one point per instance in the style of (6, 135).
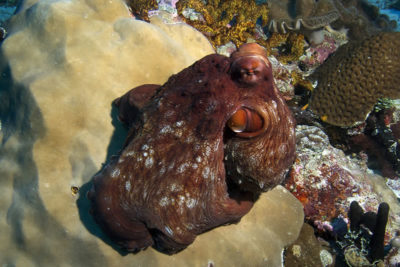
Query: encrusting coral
(290, 45)
(349, 86)
(223, 20)
(141, 8)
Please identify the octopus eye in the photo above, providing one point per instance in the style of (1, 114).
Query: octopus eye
(246, 123)
(249, 73)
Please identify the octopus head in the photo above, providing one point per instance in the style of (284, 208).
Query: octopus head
(250, 65)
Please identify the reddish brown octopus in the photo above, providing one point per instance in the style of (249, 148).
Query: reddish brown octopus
(200, 150)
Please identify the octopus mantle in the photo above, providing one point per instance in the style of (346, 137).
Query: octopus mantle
(200, 150)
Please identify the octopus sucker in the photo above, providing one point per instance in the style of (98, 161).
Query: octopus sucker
(229, 109)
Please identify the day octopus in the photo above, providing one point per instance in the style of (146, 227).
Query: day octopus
(200, 150)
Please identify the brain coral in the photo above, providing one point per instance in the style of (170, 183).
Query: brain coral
(352, 80)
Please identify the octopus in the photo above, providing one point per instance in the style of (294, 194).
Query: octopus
(200, 150)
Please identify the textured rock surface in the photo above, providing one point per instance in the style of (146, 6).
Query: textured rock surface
(326, 181)
(62, 65)
(349, 86)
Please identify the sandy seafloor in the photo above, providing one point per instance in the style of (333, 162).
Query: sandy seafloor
(44, 223)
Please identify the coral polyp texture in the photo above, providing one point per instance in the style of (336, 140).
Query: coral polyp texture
(326, 182)
(141, 8)
(225, 20)
(201, 149)
(352, 80)
(290, 46)
(358, 16)
(324, 179)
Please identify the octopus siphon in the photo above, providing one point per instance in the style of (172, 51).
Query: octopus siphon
(200, 150)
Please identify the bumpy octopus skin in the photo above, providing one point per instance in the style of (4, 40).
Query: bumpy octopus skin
(201, 149)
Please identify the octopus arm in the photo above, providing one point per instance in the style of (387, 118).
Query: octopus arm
(133, 101)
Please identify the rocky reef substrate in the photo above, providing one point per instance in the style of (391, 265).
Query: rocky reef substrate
(62, 64)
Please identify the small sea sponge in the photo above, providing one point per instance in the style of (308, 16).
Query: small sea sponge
(355, 77)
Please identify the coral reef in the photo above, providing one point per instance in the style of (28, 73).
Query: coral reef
(322, 44)
(361, 18)
(291, 15)
(223, 21)
(363, 244)
(289, 46)
(141, 8)
(46, 165)
(349, 87)
(379, 128)
(319, 180)
(294, 57)
(283, 76)
(377, 138)
(326, 181)
(374, 152)
(58, 128)
(224, 118)
(285, 52)
(311, 137)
